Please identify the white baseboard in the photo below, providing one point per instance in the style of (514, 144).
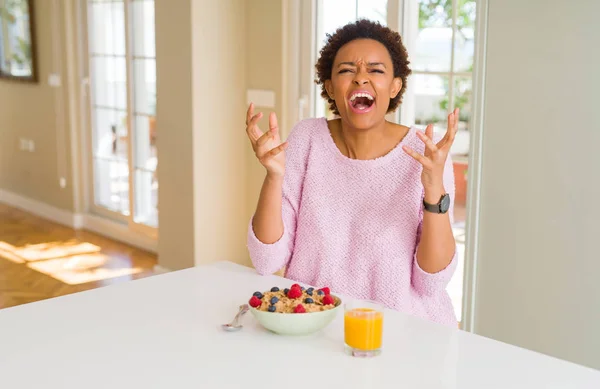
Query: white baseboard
(38, 208)
(119, 232)
(78, 221)
(99, 225)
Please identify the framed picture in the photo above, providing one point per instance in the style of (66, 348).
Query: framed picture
(17, 41)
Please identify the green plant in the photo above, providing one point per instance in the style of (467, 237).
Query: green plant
(438, 13)
(461, 101)
(432, 120)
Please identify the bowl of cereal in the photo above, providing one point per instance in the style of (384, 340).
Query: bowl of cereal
(295, 310)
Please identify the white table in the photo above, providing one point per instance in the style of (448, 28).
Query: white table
(163, 332)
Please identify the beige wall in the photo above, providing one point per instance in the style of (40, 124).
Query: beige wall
(236, 46)
(175, 127)
(264, 71)
(539, 262)
(202, 150)
(219, 82)
(40, 113)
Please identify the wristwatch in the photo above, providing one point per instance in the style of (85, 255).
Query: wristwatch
(441, 207)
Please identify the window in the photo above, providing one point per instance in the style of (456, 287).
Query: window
(439, 35)
(122, 69)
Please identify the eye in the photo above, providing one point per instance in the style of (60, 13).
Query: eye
(345, 71)
(377, 71)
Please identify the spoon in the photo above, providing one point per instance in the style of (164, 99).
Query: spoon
(235, 324)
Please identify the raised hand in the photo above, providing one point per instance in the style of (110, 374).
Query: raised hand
(435, 155)
(268, 148)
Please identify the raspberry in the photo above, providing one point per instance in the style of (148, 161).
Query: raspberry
(327, 300)
(295, 286)
(294, 293)
(326, 290)
(299, 309)
(255, 302)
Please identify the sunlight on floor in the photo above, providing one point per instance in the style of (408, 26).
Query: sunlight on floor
(72, 262)
(80, 269)
(7, 251)
(51, 250)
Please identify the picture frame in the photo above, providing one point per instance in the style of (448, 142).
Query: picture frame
(18, 60)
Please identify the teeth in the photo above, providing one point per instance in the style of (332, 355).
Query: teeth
(354, 96)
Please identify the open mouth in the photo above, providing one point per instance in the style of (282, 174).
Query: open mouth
(361, 102)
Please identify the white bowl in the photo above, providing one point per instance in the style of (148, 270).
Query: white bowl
(296, 323)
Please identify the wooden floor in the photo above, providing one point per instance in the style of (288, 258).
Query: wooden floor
(40, 259)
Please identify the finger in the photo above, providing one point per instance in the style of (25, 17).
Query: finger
(456, 117)
(252, 129)
(452, 129)
(273, 125)
(428, 142)
(429, 131)
(249, 113)
(273, 152)
(264, 138)
(418, 157)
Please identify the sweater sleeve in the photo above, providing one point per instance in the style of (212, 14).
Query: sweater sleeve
(430, 284)
(269, 258)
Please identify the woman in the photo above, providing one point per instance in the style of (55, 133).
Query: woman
(358, 203)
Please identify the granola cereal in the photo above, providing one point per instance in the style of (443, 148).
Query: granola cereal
(300, 300)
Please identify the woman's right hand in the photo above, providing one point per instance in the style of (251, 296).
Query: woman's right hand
(267, 146)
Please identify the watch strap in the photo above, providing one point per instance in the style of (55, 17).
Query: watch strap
(436, 208)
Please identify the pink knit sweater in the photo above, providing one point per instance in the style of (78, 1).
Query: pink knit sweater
(354, 225)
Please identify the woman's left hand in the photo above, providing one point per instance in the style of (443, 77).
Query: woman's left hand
(435, 155)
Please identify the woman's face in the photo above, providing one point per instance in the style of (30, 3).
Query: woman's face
(362, 82)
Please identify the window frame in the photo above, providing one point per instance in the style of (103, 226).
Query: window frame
(130, 112)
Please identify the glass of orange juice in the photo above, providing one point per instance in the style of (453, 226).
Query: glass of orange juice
(363, 328)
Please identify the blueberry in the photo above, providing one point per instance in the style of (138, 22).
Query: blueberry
(286, 290)
(274, 289)
(320, 292)
(272, 308)
(309, 301)
(258, 294)
(274, 300)
(302, 288)
(310, 291)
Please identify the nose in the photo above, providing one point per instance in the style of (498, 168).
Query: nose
(361, 78)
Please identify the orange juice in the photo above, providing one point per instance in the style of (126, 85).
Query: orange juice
(363, 328)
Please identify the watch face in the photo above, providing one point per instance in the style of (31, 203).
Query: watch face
(445, 203)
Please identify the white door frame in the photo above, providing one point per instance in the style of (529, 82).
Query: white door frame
(472, 239)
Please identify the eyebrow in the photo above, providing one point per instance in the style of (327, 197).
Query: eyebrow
(368, 63)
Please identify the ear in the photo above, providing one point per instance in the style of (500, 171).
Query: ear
(329, 88)
(396, 86)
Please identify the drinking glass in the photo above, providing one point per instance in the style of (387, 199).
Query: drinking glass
(363, 328)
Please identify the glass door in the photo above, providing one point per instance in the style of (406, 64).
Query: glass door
(122, 73)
